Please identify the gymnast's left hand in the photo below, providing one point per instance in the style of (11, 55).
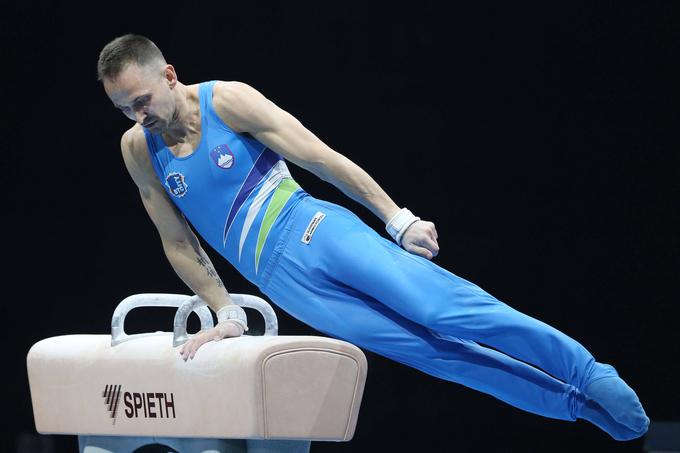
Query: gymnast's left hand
(421, 239)
(224, 329)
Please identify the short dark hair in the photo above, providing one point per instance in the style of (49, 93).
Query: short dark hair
(122, 51)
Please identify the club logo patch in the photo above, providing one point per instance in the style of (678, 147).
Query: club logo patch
(176, 184)
(222, 156)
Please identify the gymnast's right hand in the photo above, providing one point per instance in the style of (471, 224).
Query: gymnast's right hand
(421, 239)
(223, 329)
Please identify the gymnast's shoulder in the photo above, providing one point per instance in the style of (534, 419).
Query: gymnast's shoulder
(135, 153)
(239, 104)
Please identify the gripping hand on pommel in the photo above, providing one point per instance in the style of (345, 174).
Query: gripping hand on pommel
(421, 239)
(223, 329)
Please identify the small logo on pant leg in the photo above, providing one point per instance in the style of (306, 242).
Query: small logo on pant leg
(311, 228)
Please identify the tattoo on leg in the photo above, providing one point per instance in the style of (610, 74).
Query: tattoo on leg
(209, 269)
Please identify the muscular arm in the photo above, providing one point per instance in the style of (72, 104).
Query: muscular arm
(181, 246)
(246, 110)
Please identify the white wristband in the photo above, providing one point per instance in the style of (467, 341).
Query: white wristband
(398, 225)
(233, 313)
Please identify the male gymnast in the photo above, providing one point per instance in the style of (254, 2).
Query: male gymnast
(213, 153)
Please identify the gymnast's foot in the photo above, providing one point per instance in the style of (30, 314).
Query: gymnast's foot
(599, 417)
(613, 395)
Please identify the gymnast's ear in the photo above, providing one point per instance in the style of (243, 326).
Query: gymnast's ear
(170, 75)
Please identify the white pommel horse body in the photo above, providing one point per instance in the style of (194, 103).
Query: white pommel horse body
(264, 393)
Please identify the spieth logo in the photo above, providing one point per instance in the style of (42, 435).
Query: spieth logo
(176, 184)
(111, 397)
(222, 157)
(139, 405)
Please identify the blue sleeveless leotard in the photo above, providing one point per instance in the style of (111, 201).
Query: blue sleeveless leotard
(236, 192)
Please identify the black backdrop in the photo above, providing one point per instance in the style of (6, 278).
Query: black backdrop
(542, 141)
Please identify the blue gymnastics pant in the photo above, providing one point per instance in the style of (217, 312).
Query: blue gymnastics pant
(352, 284)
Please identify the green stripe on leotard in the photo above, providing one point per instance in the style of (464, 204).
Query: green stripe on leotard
(282, 193)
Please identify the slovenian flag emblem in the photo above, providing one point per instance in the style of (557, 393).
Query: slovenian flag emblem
(222, 156)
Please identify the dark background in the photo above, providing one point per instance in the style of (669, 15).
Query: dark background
(542, 141)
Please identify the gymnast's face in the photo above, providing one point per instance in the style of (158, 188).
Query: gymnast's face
(145, 94)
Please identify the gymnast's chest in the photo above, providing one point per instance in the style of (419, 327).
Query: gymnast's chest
(214, 171)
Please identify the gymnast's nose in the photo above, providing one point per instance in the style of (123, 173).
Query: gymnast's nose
(141, 116)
